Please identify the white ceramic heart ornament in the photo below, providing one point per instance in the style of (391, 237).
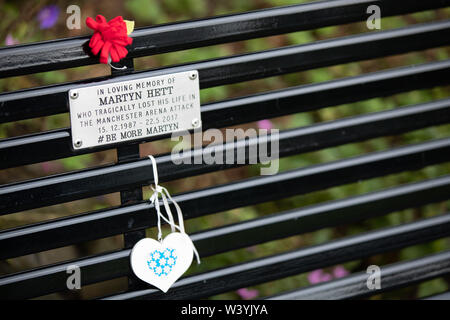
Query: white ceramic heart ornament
(161, 263)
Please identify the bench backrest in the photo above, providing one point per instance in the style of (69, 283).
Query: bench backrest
(131, 172)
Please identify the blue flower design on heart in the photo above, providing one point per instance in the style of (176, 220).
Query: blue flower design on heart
(162, 262)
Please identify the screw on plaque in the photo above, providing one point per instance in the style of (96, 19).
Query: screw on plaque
(78, 143)
(73, 94)
(193, 75)
(195, 122)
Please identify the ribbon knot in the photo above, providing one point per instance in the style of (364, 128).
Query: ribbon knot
(165, 195)
(109, 37)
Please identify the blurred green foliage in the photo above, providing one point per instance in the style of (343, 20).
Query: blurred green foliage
(21, 24)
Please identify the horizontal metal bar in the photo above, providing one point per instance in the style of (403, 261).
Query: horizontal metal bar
(44, 101)
(60, 232)
(323, 215)
(51, 279)
(91, 182)
(393, 276)
(46, 280)
(103, 223)
(73, 52)
(299, 261)
(56, 144)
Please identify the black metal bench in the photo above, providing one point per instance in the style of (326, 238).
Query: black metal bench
(130, 173)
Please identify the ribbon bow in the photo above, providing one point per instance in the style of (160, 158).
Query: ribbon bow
(154, 199)
(109, 37)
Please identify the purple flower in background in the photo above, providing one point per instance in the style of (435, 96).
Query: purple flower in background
(10, 41)
(51, 166)
(247, 294)
(340, 272)
(318, 276)
(326, 277)
(315, 276)
(265, 124)
(48, 16)
(46, 167)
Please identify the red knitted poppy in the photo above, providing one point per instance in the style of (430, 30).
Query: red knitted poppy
(109, 37)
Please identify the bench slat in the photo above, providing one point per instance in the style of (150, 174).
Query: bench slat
(116, 264)
(111, 178)
(56, 144)
(299, 261)
(108, 222)
(67, 53)
(395, 276)
(44, 101)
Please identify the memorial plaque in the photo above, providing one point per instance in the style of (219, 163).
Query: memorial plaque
(135, 109)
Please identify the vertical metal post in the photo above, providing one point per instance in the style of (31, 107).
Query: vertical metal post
(125, 153)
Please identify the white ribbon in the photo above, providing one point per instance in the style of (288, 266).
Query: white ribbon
(117, 68)
(154, 199)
